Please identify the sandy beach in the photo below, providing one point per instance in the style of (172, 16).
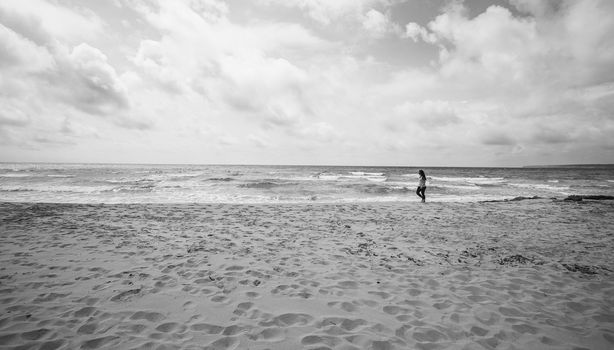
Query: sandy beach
(530, 274)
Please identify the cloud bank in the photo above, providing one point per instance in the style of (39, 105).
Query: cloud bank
(307, 82)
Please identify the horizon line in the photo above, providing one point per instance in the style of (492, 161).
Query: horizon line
(327, 165)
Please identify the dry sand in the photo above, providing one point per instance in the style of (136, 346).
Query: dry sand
(532, 274)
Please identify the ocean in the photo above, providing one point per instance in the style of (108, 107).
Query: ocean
(121, 183)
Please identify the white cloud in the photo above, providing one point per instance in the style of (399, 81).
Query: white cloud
(11, 115)
(19, 52)
(378, 24)
(325, 11)
(429, 114)
(71, 25)
(416, 32)
(88, 82)
(530, 68)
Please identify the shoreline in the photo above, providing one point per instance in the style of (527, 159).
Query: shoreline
(528, 274)
(365, 201)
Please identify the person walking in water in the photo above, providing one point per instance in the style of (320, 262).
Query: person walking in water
(421, 185)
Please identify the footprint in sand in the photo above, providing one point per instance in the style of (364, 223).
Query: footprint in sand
(317, 339)
(220, 299)
(287, 320)
(235, 329)
(171, 327)
(486, 317)
(348, 285)
(7, 339)
(148, 316)
(428, 335)
(479, 331)
(512, 312)
(524, 328)
(88, 328)
(242, 308)
(345, 306)
(252, 295)
(443, 305)
(52, 344)
(403, 332)
(49, 297)
(99, 342)
(394, 310)
(126, 295)
(235, 268)
(382, 295)
(207, 328)
(226, 343)
(85, 312)
(345, 324)
(35, 335)
(272, 335)
(293, 290)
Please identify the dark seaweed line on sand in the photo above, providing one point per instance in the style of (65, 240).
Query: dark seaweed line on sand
(571, 198)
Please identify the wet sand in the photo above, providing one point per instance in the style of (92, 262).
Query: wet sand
(531, 274)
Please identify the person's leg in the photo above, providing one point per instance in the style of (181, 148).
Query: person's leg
(423, 194)
(418, 192)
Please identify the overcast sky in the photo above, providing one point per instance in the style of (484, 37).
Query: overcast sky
(349, 82)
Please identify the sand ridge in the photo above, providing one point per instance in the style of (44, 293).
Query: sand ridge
(517, 275)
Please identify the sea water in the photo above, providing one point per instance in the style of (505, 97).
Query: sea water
(121, 183)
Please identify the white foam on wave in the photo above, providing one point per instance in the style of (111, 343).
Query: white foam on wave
(540, 187)
(475, 180)
(50, 189)
(362, 173)
(352, 176)
(15, 175)
(329, 177)
(376, 178)
(459, 187)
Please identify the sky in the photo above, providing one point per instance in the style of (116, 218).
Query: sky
(331, 82)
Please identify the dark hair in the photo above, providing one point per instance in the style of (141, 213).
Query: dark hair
(422, 174)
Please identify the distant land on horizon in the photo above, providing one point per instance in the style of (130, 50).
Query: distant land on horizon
(571, 166)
